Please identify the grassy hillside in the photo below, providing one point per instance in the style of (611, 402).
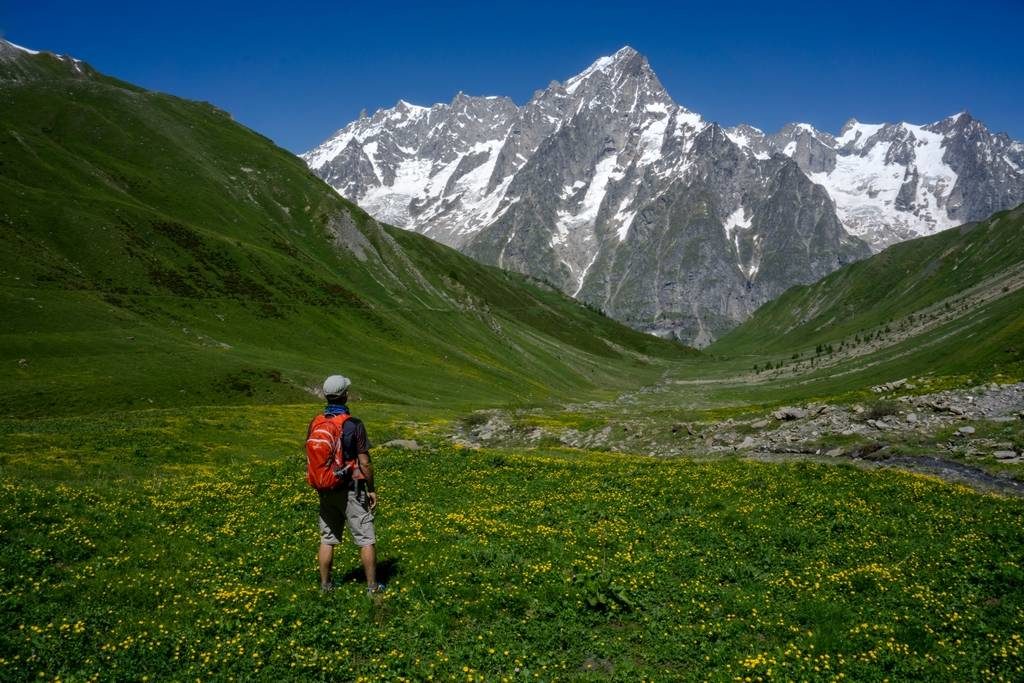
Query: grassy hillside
(157, 253)
(952, 303)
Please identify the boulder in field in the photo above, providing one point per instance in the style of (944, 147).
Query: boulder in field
(889, 386)
(407, 444)
(789, 413)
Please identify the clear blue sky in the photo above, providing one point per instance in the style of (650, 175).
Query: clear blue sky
(297, 71)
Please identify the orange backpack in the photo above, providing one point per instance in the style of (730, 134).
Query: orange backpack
(326, 467)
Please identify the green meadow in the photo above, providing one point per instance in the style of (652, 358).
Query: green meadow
(179, 544)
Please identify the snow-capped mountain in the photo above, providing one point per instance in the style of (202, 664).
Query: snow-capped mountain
(896, 181)
(608, 189)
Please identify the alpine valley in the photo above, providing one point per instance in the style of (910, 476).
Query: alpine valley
(608, 189)
(562, 497)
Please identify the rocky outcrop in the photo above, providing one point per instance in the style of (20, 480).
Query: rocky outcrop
(939, 433)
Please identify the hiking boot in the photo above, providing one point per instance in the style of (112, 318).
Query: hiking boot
(326, 587)
(379, 588)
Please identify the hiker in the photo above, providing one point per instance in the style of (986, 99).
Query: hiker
(339, 468)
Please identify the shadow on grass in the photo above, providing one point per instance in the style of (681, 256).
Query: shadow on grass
(386, 570)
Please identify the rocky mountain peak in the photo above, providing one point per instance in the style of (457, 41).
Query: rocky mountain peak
(625, 61)
(959, 123)
(404, 106)
(605, 187)
(849, 125)
(625, 73)
(626, 52)
(630, 62)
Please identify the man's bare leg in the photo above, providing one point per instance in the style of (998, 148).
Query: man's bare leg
(326, 559)
(368, 554)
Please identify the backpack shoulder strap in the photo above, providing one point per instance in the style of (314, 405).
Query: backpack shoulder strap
(343, 418)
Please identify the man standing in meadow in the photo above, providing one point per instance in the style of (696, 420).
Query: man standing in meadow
(339, 468)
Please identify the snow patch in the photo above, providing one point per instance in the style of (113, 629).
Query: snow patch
(738, 220)
(393, 201)
(688, 120)
(865, 188)
(935, 179)
(738, 139)
(23, 49)
(570, 190)
(323, 154)
(568, 222)
(583, 274)
(750, 269)
(742, 219)
(652, 139)
(439, 179)
(743, 141)
(624, 216)
(857, 134)
(363, 129)
(473, 185)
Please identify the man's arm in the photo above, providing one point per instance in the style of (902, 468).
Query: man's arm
(362, 448)
(366, 466)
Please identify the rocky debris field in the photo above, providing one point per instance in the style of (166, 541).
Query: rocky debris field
(957, 434)
(887, 420)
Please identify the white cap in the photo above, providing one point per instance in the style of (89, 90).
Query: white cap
(336, 385)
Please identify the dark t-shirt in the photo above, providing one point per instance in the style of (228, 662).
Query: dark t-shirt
(354, 441)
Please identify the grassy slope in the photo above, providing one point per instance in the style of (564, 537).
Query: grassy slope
(156, 253)
(949, 304)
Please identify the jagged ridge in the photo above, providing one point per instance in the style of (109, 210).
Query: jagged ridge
(570, 186)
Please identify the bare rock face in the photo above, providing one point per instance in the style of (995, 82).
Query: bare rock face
(609, 190)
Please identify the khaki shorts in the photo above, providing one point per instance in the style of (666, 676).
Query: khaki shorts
(342, 507)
